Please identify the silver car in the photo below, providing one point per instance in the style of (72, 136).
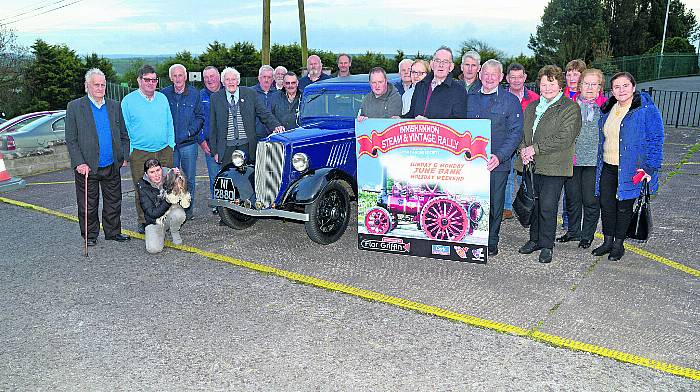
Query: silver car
(39, 133)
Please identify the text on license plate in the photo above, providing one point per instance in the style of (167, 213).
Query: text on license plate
(224, 189)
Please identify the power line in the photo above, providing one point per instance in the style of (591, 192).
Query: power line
(28, 9)
(44, 12)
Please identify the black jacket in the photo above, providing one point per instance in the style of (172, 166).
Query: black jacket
(152, 204)
(448, 100)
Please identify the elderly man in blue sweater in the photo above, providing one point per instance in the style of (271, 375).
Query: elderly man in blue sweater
(188, 118)
(493, 102)
(150, 127)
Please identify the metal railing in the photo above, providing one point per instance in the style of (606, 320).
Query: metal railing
(678, 108)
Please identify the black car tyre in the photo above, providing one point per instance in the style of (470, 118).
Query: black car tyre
(328, 214)
(235, 220)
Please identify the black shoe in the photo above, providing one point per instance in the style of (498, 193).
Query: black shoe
(91, 241)
(545, 256)
(528, 248)
(493, 250)
(141, 229)
(566, 238)
(119, 238)
(584, 243)
(605, 248)
(617, 251)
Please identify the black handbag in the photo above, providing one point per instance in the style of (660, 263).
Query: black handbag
(524, 202)
(641, 224)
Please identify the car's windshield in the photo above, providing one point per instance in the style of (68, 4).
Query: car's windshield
(332, 104)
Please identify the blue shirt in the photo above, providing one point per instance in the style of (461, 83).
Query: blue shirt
(104, 134)
(149, 123)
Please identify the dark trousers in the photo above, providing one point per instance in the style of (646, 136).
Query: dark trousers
(226, 159)
(582, 203)
(110, 181)
(136, 161)
(615, 215)
(543, 223)
(497, 198)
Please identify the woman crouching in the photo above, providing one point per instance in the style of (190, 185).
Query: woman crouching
(163, 202)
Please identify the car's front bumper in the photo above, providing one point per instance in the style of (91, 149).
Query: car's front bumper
(268, 212)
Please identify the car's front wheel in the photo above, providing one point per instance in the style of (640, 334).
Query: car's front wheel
(235, 220)
(328, 214)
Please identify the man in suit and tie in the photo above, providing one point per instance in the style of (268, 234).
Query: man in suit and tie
(233, 110)
(97, 143)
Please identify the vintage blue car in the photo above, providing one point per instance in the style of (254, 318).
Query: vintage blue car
(306, 174)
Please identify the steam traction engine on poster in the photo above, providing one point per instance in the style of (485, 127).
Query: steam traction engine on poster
(439, 214)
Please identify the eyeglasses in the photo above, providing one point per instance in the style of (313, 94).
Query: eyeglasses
(442, 62)
(590, 85)
(150, 80)
(418, 73)
(291, 83)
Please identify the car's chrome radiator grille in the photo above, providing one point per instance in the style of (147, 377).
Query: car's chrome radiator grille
(268, 173)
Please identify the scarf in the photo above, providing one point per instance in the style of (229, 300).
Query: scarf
(588, 107)
(542, 107)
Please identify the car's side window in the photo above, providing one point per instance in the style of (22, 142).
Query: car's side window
(59, 125)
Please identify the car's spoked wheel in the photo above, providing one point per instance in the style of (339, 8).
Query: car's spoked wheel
(328, 214)
(378, 221)
(444, 219)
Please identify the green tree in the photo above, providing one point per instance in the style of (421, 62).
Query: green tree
(288, 56)
(185, 58)
(674, 45)
(55, 77)
(242, 55)
(365, 62)
(486, 51)
(13, 64)
(569, 29)
(101, 63)
(635, 26)
(400, 55)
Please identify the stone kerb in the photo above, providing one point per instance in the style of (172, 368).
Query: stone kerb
(38, 161)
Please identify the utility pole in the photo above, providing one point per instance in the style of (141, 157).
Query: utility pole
(266, 33)
(663, 40)
(302, 31)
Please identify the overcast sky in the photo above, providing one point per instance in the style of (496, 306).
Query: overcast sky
(166, 27)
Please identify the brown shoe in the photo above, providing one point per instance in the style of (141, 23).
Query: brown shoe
(507, 214)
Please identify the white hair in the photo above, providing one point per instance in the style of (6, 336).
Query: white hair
(230, 70)
(174, 66)
(493, 63)
(405, 61)
(265, 68)
(474, 55)
(282, 68)
(93, 71)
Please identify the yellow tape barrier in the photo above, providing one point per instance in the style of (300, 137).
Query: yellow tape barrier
(535, 335)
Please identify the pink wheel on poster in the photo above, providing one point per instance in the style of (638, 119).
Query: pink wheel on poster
(444, 219)
(378, 221)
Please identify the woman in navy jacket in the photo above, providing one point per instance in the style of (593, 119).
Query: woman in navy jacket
(630, 149)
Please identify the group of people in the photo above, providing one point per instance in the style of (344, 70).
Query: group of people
(570, 137)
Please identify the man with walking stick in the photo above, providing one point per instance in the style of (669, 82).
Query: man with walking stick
(97, 143)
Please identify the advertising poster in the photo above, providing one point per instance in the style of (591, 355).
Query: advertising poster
(423, 187)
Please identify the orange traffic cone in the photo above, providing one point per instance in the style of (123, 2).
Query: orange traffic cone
(8, 183)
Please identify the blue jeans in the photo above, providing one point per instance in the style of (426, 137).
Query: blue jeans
(510, 186)
(185, 157)
(212, 169)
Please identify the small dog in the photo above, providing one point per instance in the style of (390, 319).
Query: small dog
(176, 193)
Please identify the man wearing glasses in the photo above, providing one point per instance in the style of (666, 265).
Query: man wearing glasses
(150, 125)
(438, 95)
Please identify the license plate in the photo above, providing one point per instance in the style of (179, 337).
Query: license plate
(224, 189)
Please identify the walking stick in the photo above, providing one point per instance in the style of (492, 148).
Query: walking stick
(86, 214)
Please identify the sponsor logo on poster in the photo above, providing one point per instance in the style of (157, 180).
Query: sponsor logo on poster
(386, 244)
(461, 251)
(441, 250)
(478, 254)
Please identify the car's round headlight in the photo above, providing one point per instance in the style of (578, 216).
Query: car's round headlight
(238, 158)
(300, 161)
